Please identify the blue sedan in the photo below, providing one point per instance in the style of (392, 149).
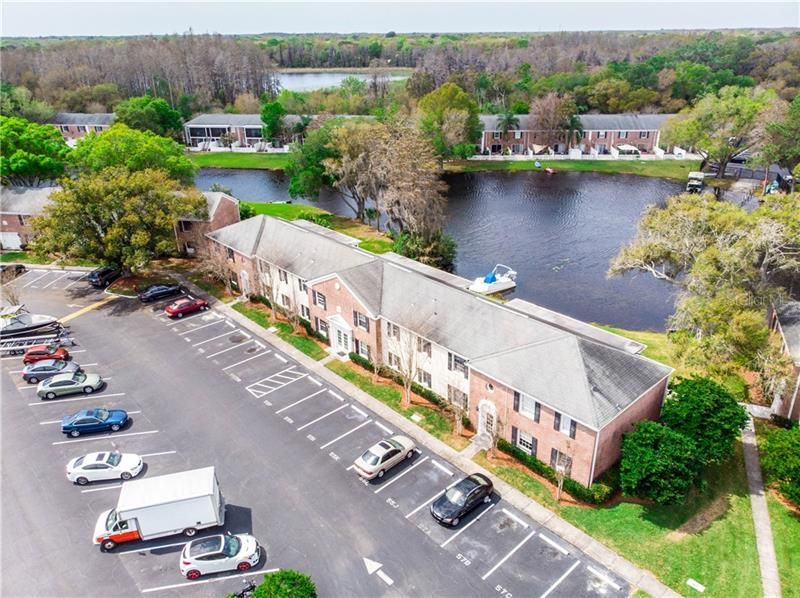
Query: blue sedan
(93, 420)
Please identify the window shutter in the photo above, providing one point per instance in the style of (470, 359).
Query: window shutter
(516, 401)
(557, 421)
(355, 318)
(573, 426)
(537, 412)
(450, 361)
(534, 446)
(553, 457)
(514, 436)
(355, 346)
(366, 321)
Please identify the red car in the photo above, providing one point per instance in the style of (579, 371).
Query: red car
(40, 352)
(185, 306)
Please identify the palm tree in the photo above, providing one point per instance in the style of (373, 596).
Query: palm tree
(507, 121)
(574, 129)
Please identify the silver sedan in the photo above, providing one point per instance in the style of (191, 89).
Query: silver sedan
(380, 458)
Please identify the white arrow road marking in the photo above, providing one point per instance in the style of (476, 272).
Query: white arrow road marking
(373, 567)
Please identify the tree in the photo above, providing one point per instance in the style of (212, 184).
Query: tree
(135, 150)
(103, 96)
(286, 583)
(147, 113)
(18, 101)
(438, 250)
(507, 121)
(551, 115)
(116, 216)
(306, 168)
(720, 125)
(780, 458)
(247, 103)
(272, 114)
(780, 134)
(442, 105)
(574, 129)
(706, 412)
(420, 83)
(658, 463)
(31, 153)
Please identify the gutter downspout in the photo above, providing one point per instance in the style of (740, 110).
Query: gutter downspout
(594, 456)
(794, 397)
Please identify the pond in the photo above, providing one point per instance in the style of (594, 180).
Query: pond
(559, 233)
(311, 81)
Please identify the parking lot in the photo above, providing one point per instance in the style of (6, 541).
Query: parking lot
(202, 391)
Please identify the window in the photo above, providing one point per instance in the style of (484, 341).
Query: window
(529, 407)
(565, 425)
(361, 320)
(456, 363)
(282, 275)
(319, 300)
(623, 134)
(526, 443)
(496, 134)
(301, 284)
(490, 387)
(98, 128)
(601, 134)
(458, 397)
(516, 148)
(305, 313)
(21, 219)
(229, 253)
(392, 330)
(423, 346)
(644, 134)
(322, 326)
(424, 377)
(285, 300)
(185, 226)
(583, 134)
(263, 266)
(362, 349)
(517, 134)
(81, 129)
(394, 361)
(557, 457)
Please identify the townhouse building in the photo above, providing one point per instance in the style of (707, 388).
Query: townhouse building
(17, 206)
(785, 321)
(233, 130)
(562, 390)
(190, 231)
(74, 125)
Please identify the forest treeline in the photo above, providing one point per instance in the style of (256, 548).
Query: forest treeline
(604, 71)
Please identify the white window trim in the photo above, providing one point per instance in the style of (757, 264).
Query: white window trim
(524, 441)
(566, 422)
(523, 400)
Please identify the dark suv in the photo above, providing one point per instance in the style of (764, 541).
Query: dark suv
(102, 277)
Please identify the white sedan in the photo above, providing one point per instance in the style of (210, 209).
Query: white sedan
(380, 458)
(104, 466)
(223, 552)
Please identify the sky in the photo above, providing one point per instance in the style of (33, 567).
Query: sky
(109, 17)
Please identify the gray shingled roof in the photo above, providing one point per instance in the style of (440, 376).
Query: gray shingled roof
(212, 201)
(789, 319)
(235, 120)
(25, 201)
(242, 236)
(592, 122)
(81, 118)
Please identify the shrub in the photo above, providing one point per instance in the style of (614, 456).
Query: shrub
(597, 493)
(286, 584)
(260, 299)
(780, 458)
(313, 333)
(783, 422)
(363, 362)
(325, 220)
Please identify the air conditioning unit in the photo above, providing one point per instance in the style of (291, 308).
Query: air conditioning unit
(190, 251)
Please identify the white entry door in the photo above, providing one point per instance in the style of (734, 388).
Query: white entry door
(342, 341)
(487, 418)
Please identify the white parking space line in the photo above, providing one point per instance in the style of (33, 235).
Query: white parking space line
(58, 421)
(236, 346)
(28, 387)
(442, 467)
(274, 382)
(336, 395)
(508, 556)
(554, 544)
(300, 401)
(321, 417)
(511, 515)
(149, 548)
(357, 410)
(463, 529)
(231, 324)
(35, 279)
(283, 359)
(158, 454)
(115, 487)
(86, 398)
(21, 276)
(397, 477)
(195, 583)
(382, 427)
(76, 280)
(315, 381)
(233, 365)
(213, 338)
(431, 499)
(104, 437)
(200, 327)
(604, 577)
(56, 279)
(559, 580)
(172, 322)
(345, 434)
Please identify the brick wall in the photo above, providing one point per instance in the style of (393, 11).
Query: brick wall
(192, 232)
(17, 223)
(339, 300)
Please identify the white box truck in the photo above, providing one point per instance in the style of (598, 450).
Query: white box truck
(178, 503)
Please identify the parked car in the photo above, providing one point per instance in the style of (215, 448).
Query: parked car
(102, 277)
(111, 465)
(185, 306)
(159, 291)
(41, 352)
(93, 420)
(381, 457)
(223, 552)
(459, 500)
(69, 384)
(42, 370)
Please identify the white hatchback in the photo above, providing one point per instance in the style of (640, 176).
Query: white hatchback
(109, 465)
(222, 552)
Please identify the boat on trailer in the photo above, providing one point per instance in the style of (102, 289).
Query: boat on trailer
(16, 321)
(500, 279)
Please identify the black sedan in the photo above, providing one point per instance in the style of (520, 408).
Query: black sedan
(460, 499)
(102, 277)
(159, 291)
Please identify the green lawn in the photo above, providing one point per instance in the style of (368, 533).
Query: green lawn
(528, 485)
(668, 169)
(432, 422)
(24, 257)
(288, 211)
(298, 341)
(786, 535)
(657, 342)
(239, 160)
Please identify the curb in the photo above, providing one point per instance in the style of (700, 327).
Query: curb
(637, 577)
(53, 267)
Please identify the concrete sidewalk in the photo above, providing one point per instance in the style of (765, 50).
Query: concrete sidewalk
(631, 573)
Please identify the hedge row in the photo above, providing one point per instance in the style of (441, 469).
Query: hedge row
(304, 323)
(596, 494)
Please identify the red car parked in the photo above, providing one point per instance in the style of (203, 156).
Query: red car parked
(40, 352)
(185, 306)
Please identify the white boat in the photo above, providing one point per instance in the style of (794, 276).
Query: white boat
(16, 321)
(500, 279)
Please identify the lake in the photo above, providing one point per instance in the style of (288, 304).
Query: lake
(312, 81)
(559, 233)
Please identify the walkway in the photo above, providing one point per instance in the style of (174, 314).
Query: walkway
(770, 581)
